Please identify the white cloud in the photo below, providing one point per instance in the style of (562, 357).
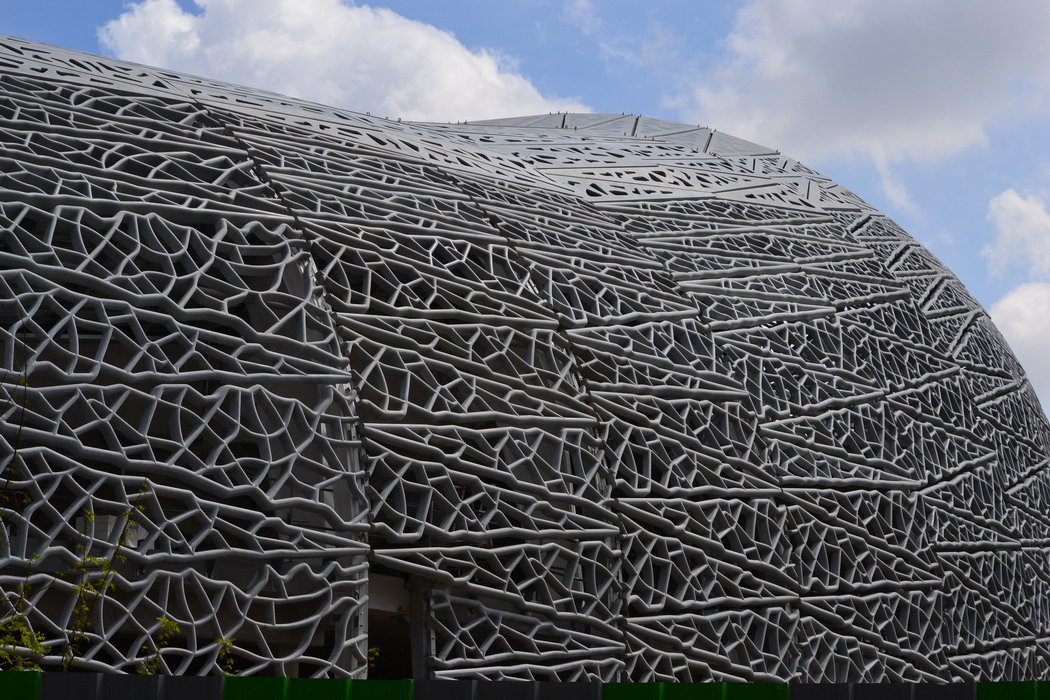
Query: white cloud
(654, 47)
(1022, 235)
(1022, 248)
(893, 188)
(582, 14)
(895, 79)
(1023, 317)
(361, 58)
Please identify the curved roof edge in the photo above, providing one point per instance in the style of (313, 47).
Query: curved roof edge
(702, 138)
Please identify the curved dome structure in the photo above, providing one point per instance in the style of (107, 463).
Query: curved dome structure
(564, 397)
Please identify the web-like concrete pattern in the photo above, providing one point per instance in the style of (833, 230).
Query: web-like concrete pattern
(622, 399)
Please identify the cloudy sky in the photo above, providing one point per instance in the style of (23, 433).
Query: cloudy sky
(935, 111)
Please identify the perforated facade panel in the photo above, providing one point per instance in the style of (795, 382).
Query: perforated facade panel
(617, 398)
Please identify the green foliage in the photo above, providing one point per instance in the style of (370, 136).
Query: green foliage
(373, 658)
(165, 633)
(168, 629)
(225, 655)
(21, 648)
(92, 575)
(88, 588)
(95, 575)
(15, 634)
(17, 638)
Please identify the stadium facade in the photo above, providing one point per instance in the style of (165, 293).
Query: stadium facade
(564, 397)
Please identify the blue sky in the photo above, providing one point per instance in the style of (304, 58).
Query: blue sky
(935, 111)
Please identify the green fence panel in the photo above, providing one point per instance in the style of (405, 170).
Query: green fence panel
(20, 685)
(693, 691)
(380, 690)
(756, 691)
(632, 691)
(253, 688)
(317, 689)
(1007, 690)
